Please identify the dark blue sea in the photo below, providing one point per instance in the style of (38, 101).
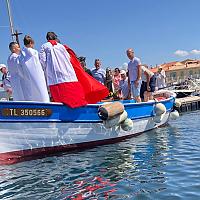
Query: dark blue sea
(160, 164)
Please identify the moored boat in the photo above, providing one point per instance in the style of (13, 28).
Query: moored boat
(29, 129)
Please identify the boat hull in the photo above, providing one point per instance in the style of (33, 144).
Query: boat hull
(31, 129)
(24, 141)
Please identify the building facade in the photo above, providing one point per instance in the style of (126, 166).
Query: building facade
(180, 71)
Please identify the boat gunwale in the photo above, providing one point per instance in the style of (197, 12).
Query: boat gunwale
(67, 121)
(88, 105)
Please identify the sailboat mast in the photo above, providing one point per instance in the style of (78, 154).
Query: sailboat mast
(14, 34)
(10, 19)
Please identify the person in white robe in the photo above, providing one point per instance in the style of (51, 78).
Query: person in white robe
(60, 74)
(56, 63)
(16, 73)
(34, 84)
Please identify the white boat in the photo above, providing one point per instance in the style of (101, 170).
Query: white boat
(187, 88)
(31, 129)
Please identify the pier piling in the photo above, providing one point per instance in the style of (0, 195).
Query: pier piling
(190, 103)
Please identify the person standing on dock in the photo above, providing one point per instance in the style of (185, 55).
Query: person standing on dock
(34, 83)
(16, 74)
(134, 74)
(61, 77)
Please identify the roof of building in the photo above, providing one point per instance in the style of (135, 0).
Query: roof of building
(173, 66)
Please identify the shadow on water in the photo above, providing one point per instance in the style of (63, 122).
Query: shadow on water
(139, 168)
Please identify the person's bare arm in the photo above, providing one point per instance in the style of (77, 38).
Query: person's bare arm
(139, 75)
(129, 84)
(148, 81)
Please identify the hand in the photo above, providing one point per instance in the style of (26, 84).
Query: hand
(148, 88)
(136, 83)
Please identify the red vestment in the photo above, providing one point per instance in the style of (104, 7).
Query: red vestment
(69, 93)
(94, 91)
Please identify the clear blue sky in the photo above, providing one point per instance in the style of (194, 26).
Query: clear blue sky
(104, 29)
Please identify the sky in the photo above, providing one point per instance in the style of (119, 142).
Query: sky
(159, 31)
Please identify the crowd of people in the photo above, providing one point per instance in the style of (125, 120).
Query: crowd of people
(138, 82)
(55, 73)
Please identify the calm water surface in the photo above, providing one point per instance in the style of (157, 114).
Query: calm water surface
(161, 164)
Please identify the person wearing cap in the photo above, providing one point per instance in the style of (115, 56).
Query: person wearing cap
(160, 78)
(134, 74)
(6, 80)
(16, 73)
(109, 81)
(123, 86)
(83, 65)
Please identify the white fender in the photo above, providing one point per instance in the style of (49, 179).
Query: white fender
(127, 125)
(159, 109)
(174, 115)
(158, 118)
(115, 121)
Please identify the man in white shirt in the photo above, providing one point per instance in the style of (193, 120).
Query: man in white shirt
(16, 74)
(60, 75)
(160, 78)
(34, 83)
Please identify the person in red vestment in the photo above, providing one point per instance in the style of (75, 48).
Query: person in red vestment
(60, 75)
(67, 80)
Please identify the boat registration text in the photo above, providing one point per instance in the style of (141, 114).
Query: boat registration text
(26, 112)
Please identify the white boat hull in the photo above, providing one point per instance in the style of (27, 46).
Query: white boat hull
(21, 141)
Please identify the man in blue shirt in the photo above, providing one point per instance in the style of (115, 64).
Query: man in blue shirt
(134, 74)
(98, 73)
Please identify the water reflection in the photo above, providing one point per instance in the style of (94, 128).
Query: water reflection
(142, 167)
